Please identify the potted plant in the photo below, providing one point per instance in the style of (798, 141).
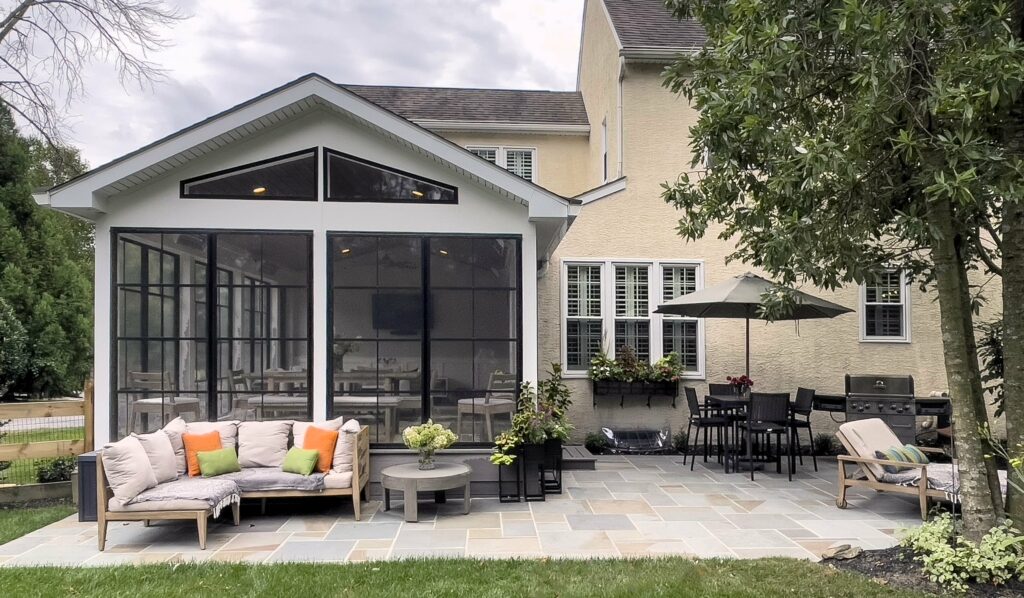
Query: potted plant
(539, 427)
(626, 375)
(741, 384)
(427, 439)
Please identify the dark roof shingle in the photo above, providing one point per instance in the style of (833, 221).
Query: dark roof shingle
(648, 24)
(477, 105)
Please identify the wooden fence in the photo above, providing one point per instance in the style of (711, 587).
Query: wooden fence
(45, 410)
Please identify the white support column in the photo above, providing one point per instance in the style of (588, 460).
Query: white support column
(529, 315)
(101, 338)
(320, 341)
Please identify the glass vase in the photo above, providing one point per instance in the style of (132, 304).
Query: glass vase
(426, 458)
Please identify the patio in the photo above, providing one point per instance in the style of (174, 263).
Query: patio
(629, 506)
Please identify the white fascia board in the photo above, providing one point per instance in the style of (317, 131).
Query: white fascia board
(504, 127)
(605, 190)
(541, 202)
(655, 54)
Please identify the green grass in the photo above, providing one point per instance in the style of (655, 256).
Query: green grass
(762, 578)
(18, 520)
(23, 471)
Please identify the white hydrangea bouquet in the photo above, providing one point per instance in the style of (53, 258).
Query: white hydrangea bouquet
(428, 438)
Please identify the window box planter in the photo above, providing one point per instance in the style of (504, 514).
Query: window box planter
(623, 389)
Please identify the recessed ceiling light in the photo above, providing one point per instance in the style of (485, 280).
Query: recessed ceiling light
(259, 190)
(443, 251)
(417, 194)
(345, 250)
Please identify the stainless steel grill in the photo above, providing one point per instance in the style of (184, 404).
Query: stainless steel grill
(889, 398)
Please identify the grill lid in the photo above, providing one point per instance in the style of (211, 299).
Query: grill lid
(879, 386)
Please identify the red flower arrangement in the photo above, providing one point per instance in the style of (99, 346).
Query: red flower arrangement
(743, 381)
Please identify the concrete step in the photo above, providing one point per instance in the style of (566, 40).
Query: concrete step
(577, 457)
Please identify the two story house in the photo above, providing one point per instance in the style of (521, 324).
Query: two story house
(402, 253)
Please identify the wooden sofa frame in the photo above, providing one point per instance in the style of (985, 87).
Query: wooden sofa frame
(357, 490)
(921, 491)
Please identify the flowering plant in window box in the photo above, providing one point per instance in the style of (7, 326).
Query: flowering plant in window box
(626, 367)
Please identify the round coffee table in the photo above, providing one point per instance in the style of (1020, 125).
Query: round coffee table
(410, 479)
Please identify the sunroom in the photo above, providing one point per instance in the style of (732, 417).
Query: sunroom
(307, 255)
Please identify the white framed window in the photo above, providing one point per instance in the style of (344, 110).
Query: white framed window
(885, 309)
(521, 161)
(618, 309)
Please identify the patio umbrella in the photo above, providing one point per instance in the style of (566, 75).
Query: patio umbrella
(740, 297)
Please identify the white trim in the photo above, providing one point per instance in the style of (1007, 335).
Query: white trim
(654, 298)
(905, 303)
(655, 53)
(503, 127)
(600, 192)
(605, 171)
(501, 156)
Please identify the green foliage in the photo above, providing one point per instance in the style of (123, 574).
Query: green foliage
(595, 442)
(430, 436)
(990, 350)
(953, 561)
(626, 367)
(13, 353)
(45, 267)
(540, 415)
(55, 470)
(681, 442)
(826, 444)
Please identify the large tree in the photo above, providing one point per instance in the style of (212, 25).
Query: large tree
(847, 138)
(45, 269)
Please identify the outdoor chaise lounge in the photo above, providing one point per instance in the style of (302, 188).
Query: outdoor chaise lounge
(863, 438)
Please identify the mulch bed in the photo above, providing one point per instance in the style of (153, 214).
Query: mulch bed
(895, 567)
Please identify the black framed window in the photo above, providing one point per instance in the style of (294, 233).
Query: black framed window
(289, 177)
(349, 178)
(256, 335)
(425, 327)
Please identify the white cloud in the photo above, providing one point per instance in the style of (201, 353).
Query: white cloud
(232, 50)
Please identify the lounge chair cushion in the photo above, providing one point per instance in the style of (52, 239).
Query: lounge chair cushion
(346, 446)
(866, 436)
(127, 468)
(161, 455)
(228, 430)
(174, 429)
(186, 494)
(336, 481)
(299, 429)
(263, 444)
(261, 479)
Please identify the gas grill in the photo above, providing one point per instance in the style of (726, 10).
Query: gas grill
(889, 398)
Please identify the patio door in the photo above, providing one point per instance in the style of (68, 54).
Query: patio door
(424, 327)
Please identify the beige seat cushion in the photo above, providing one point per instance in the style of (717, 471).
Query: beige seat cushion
(299, 428)
(167, 505)
(346, 447)
(161, 455)
(337, 481)
(127, 468)
(866, 436)
(263, 444)
(228, 431)
(174, 429)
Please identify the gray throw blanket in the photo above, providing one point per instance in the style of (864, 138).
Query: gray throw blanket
(260, 479)
(941, 477)
(216, 492)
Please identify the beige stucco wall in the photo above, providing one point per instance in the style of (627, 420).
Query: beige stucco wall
(636, 223)
(598, 82)
(562, 160)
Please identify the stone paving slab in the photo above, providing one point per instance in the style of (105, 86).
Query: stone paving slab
(627, 507)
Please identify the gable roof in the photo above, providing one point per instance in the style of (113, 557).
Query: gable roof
(420, 104)
(648, 24)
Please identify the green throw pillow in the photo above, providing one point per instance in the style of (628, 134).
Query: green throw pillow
(221, 461)
(300, 461)
(915, 454)
(901, 454)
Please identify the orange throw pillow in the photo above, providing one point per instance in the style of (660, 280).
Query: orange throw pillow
(323, 441)
(195, 443)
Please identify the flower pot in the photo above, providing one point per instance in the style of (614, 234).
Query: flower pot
(510, 481)
(533, 458)
(553, 466)
(426, 458)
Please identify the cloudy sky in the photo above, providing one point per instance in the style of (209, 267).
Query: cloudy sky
(231, 50)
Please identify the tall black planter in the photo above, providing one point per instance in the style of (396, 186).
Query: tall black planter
(533, 457)
(553, 467)
(510, 481)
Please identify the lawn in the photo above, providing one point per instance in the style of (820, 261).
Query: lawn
(18, 520)
(762, 578)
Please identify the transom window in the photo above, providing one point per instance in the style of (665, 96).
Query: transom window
(886, 308)
(609, 304)
(517, 160)
(288, 177)
(349, 178)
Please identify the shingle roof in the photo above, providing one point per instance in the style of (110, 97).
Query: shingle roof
(477, 105)
(648, 24)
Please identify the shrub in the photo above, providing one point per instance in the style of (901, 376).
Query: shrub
(953, 561)
(826, 444)
(55, 470)
(681, 442)
(595, 442)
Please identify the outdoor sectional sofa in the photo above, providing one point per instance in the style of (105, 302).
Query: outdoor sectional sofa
(134, 486)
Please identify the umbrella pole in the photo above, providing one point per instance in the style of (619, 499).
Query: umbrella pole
(748, 346)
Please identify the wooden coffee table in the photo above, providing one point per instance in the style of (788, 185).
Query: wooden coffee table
(410, 479)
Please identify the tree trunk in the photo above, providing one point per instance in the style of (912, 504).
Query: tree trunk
(1013, 345)
(981, 509)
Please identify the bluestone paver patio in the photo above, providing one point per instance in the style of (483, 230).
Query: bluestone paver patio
(627, 507)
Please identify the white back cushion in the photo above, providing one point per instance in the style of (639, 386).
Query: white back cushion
(127, 468)
(228, 431)
(174, 429)
(346, 446)
(263, 444)
(161, 455)
(866, 436)
(299, 429)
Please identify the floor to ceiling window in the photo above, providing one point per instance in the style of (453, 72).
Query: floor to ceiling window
(425, 327)
(255, 334)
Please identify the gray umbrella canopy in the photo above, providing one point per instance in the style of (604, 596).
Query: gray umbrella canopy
(740, 297)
